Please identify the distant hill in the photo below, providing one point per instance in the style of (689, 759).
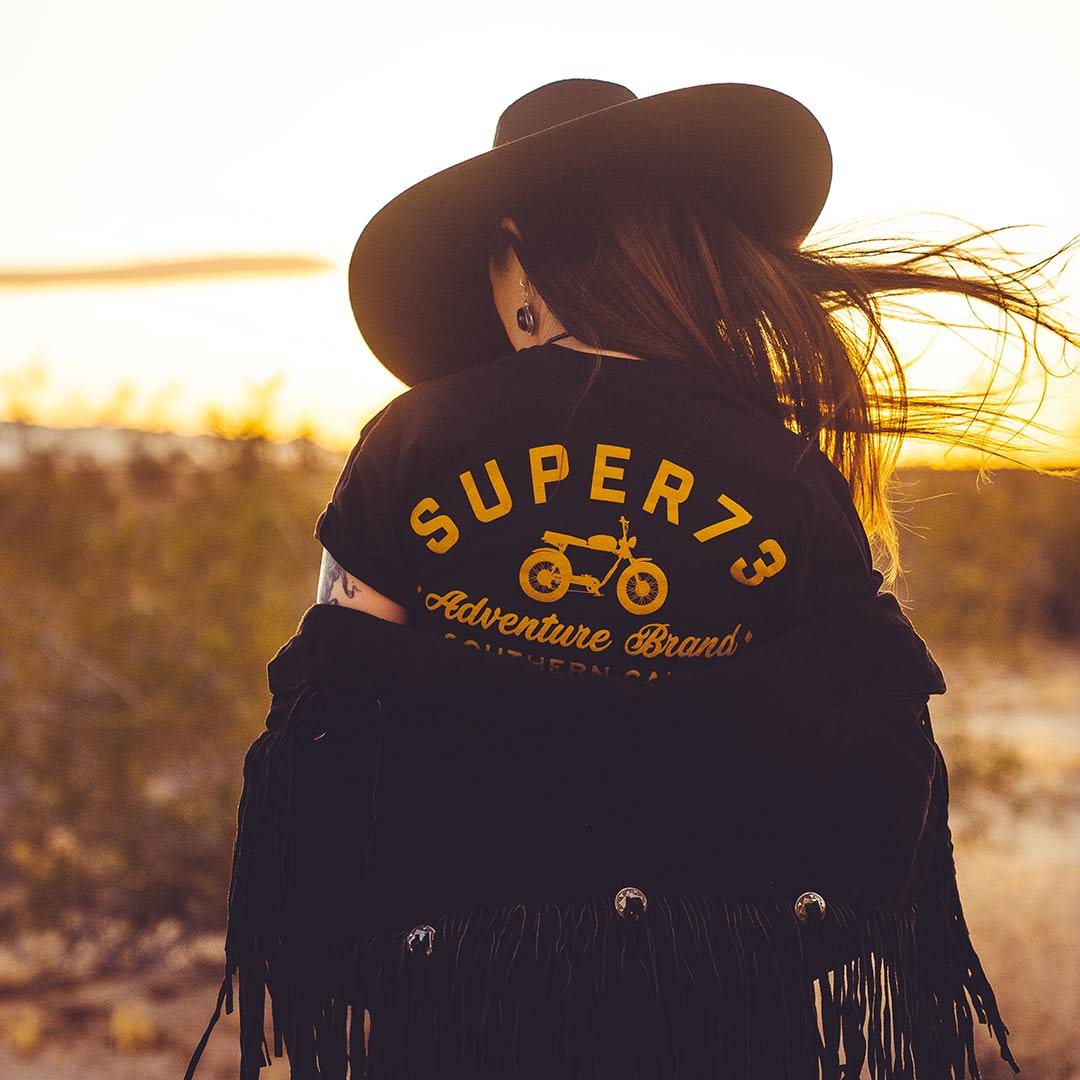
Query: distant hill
(113, 446)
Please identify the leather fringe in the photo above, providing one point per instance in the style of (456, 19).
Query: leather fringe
(697, 987)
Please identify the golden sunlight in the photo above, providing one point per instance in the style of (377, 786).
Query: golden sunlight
(163, 270)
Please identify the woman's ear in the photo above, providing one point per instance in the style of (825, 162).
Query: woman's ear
(506, 295)
(501, 251)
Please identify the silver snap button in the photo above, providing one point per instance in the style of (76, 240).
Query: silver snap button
(421, 939)
(807, 901)
(631, 903)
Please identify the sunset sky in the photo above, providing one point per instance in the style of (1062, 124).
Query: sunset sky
(227, 154)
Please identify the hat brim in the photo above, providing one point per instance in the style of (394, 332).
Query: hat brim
(418, 279)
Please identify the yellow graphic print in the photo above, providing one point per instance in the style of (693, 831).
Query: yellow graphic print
(762, 569)
(547, 575)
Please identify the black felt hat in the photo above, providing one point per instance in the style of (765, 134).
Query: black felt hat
(418, 279)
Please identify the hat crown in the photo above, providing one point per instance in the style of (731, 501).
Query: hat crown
(556, 103)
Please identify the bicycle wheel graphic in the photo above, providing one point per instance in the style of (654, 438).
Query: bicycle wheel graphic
(545, 576)
(642, 588)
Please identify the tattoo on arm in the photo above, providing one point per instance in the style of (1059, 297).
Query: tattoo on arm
(337, 586)
(332, 574)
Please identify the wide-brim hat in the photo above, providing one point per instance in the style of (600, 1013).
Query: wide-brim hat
(418, 277)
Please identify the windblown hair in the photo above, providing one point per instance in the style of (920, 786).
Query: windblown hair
(632, 264)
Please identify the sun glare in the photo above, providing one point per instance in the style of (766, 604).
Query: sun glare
(150, 184)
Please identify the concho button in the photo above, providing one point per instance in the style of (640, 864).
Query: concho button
(631, 903)
(421, 939)
(804, 903)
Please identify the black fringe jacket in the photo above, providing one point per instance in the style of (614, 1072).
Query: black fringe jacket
(741, 872)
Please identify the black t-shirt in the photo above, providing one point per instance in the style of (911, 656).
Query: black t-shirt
(642, 527)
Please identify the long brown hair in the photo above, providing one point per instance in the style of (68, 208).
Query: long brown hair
(633, 264)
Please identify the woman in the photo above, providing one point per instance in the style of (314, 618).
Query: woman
(645, 637)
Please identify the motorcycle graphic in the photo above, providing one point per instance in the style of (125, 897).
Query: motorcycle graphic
(547, 575)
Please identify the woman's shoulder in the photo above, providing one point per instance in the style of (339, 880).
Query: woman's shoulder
(518, 392)
(460, 385)
(470, 387)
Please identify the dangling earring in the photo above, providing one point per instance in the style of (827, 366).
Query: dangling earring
(525, 318)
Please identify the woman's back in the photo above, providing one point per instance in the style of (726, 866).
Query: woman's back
(623, 517)
(635, 528)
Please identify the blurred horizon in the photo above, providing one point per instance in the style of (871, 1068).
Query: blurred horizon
(236, 424)
(282, 406)
(258, 411)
